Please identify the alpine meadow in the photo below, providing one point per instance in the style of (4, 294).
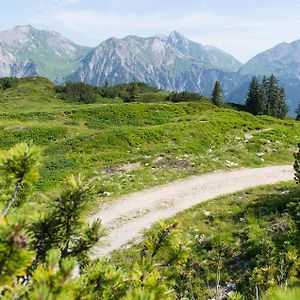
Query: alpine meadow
(138, 162)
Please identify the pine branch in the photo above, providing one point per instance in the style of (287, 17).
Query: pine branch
(13, 198)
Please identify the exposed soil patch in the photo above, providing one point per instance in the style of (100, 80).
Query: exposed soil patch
(15, 128)
(123, 168)
(169, 163)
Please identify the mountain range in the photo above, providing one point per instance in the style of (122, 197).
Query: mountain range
(170, 62)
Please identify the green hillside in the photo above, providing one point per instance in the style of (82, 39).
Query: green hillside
(242, 246)
(136, 145)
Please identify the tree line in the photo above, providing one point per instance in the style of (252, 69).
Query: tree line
(8, 82)
(263, 98)
(266, 98)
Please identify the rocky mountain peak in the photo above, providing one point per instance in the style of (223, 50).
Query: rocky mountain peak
(16, 36)
(53, 55)
(177, 39)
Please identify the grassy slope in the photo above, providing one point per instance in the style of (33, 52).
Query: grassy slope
(251, 229)
(169, 141)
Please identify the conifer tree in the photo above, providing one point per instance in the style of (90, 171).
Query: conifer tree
(272, 95)
(281, 107)
(252, 101)
(63, 226)
(216, 97)
(106, 83)
(262, 100)
(266, 98)
(20, 166)
(298, 113)
(297, 165)
(132, 92)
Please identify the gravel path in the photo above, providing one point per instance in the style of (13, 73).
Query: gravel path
(125, 218)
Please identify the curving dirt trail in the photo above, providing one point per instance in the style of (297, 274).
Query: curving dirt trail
(125, 218)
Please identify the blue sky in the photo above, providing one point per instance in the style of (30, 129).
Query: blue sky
(241, 27)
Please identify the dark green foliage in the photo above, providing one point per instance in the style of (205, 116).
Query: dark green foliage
(256, 99)
(185, 97)
(133, 92)
(132, 95)
(216, 97)
(121, 90)
(23, 240)
(20, 167)
(108, 92)
(15, 256)
(282, 107)
(298, 113)
(297, 165)
(8, 82)
(63, 228)
(266, 98)
(78, 92)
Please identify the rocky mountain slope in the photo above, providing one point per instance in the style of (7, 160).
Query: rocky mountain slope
(171, 63)
(210, 57)
(26, 51)
(283, 60)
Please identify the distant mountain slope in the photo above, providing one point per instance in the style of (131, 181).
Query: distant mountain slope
(282, 60)
(211, 57)
(31, 51)
(171, 63)
(11, 66)
(149, 60)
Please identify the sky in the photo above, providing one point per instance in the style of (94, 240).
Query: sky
(242, 28)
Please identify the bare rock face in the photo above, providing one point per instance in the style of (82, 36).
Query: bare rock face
(26, 51)
(10, 66)
(171, 63)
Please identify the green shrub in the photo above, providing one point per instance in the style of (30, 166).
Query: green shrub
(185, 97)
(8, 82)
(78, 92)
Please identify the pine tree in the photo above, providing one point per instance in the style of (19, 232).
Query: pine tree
(106, 83)
(297, 165)
(132, 92)
(272, 95)
(63, 227)
(105, 89)
(298, 113)
(266, 98)
(262, 100)
(252, 101)
(216, 97)
(20, 166)
(281, 107)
